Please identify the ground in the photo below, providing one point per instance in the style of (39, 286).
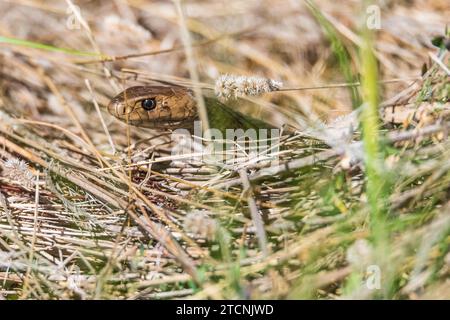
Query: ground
(357, 206)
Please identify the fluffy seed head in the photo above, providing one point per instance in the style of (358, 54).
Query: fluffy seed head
(233, 86)
(200, 225)
(18, 170)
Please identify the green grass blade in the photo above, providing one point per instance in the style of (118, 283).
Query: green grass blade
(41, 46)
(340, 51)
(377, 180)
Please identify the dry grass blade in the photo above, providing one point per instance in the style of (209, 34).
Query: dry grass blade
(93, 208)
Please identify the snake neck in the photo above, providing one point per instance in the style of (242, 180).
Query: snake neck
(223, 117)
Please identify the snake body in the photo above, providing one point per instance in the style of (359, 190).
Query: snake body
(170, 107)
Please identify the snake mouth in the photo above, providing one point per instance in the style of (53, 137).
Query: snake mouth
(162, 125)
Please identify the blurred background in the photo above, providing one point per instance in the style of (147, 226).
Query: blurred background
(278, 39)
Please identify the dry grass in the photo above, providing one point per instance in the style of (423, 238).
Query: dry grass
(101, 211)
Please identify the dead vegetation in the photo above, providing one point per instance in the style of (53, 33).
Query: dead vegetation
(92, 208)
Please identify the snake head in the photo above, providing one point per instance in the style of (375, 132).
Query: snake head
(155, 107)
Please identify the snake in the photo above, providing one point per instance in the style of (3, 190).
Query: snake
(173, 107)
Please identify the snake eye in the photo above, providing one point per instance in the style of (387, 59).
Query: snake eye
(148, 104)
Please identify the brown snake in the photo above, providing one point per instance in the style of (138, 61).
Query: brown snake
(172, 107)
(156, 107)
